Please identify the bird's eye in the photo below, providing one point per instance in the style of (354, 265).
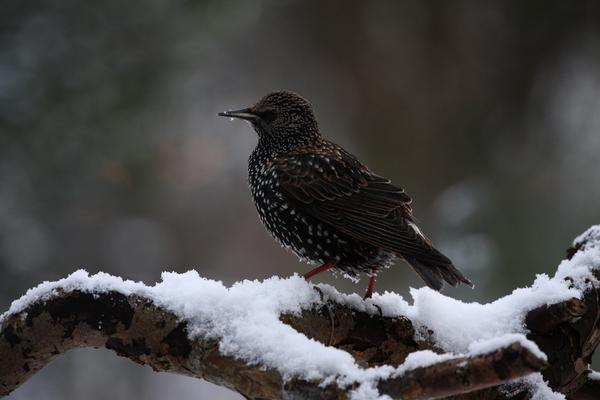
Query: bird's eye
(268, 115)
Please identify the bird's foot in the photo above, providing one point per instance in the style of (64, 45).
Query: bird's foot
(371, 285)
(318, 270)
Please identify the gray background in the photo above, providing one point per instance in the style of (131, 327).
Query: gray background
(112, 158)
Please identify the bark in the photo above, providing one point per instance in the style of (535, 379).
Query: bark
(134, 327)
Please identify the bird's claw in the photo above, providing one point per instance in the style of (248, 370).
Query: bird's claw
(379, 310)
(321, 294)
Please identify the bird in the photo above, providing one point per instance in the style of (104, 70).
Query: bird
(319, 201)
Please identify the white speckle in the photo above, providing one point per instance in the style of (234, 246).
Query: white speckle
(416, 229)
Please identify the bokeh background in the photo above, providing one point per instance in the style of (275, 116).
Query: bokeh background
(112, 157)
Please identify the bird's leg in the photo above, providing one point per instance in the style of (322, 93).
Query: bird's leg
(318, 270)
(372, 281)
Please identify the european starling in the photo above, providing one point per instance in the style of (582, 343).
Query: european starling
(322, 203)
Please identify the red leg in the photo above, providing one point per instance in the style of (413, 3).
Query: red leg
(372, 281)
(318, 270)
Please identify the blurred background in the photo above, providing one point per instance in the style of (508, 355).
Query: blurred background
(112, 157)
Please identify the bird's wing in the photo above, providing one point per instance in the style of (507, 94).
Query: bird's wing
(334, 187)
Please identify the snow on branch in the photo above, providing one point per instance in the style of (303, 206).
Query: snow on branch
(286, 338)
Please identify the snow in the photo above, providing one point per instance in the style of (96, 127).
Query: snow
(457, 325)
(245, 318)
(485, 346)
(78, 280)
(420, 359)
(594, 375)
(591, 235)
(540, 390)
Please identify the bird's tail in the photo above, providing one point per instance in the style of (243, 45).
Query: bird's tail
(435, 270)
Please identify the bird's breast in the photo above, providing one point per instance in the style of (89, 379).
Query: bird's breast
(274, 212)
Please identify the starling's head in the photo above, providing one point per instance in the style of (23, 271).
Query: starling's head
(280, 118)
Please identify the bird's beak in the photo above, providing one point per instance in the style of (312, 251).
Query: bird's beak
(245, 113)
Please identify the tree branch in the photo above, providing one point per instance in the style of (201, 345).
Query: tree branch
(134, 326)
(464, 375)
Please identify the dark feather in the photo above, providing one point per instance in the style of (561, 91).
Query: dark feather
(334, 187)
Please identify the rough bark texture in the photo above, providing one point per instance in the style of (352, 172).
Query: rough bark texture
(134, 327)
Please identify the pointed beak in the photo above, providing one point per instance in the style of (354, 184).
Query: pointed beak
(245, 113)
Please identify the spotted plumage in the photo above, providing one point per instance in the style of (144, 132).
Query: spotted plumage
(322, 203)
